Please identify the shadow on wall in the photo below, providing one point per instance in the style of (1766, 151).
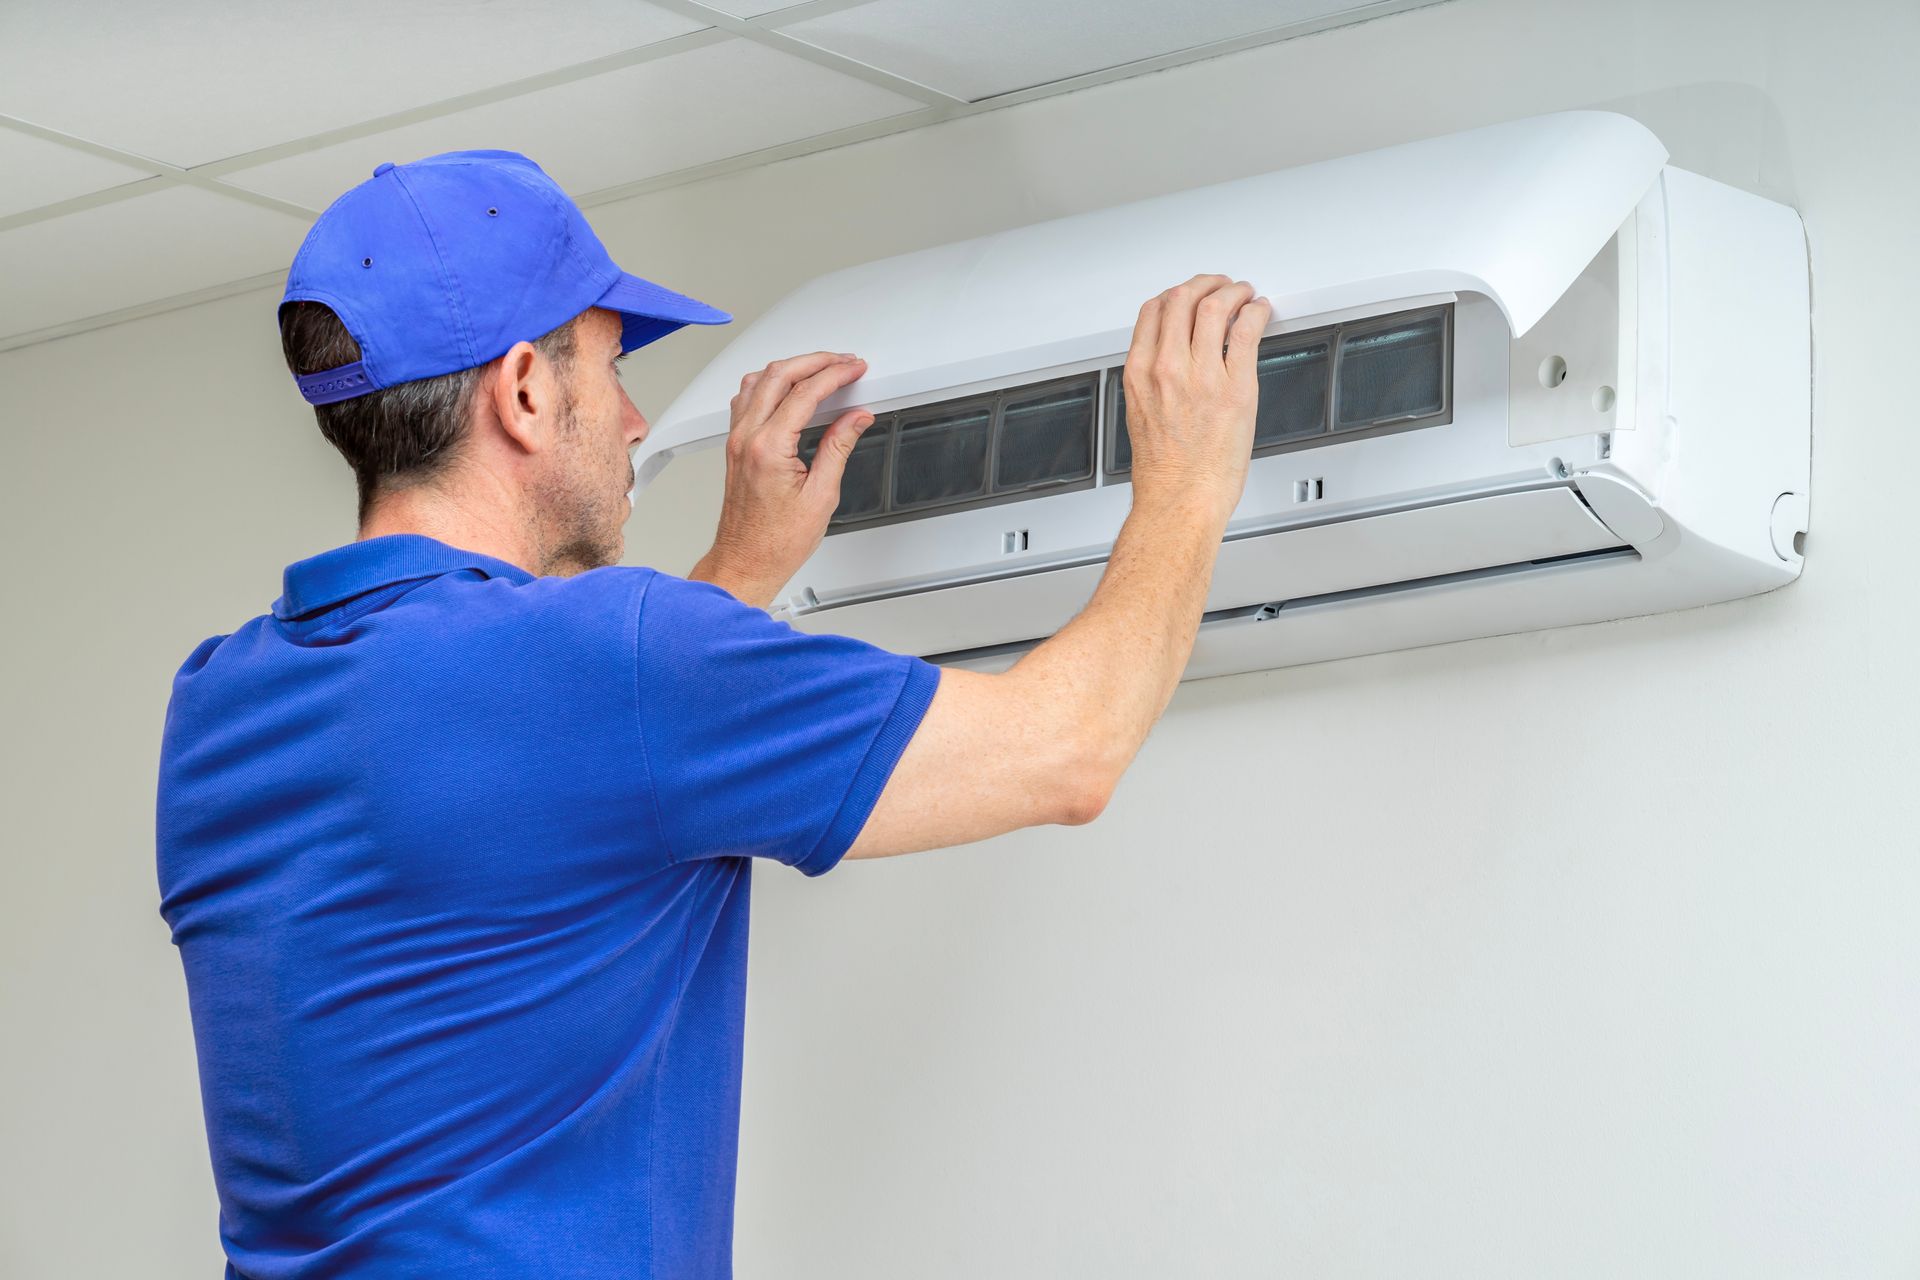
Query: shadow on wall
(1719, 625)
(1729, 132)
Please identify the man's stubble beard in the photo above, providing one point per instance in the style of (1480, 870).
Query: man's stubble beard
(582, 520)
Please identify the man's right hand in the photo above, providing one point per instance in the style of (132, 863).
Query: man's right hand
(1191, 392)
(1047, 740)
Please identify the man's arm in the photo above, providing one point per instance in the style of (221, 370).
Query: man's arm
(1047, 740)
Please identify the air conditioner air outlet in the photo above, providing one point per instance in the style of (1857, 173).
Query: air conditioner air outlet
(1294, 563)
(1213, 623)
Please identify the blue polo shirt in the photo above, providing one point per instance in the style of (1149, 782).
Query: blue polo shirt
(457, 860)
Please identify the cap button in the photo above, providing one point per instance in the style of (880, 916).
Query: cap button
(382, 167)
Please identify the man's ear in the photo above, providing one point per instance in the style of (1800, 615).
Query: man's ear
(525, 397)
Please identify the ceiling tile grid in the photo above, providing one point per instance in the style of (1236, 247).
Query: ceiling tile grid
(665, 114)
(133, 252)
(964, 49)
(190, 82)
(151, 156)
(756, 8)
(39, 172)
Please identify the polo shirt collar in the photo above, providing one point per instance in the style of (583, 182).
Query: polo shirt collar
(332, 577)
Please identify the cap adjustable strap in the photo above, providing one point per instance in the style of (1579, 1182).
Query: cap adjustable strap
(330, 385)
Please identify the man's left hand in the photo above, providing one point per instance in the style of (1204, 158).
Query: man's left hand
(775, 509)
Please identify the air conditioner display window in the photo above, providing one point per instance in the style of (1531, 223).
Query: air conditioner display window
(943, 457)
(1045, 437)
(1392, 373)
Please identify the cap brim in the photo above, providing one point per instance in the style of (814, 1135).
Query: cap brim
(651, 312)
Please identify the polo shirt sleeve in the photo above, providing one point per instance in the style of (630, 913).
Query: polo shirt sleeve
(762, 740)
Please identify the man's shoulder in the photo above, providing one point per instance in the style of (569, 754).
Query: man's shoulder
(205, 653)
(665, 600)
(618, 585)
(470, 600)
(473, 614)
(614, 594)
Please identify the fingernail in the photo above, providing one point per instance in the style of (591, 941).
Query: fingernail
(848, 355)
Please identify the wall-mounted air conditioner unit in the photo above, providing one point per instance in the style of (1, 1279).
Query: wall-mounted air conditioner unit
(1519, 377)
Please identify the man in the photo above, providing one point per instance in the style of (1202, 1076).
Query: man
(455, 842)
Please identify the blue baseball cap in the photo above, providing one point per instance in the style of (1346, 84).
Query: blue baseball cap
(444, 263)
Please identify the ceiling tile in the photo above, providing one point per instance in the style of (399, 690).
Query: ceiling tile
(199, 80)
(981, 48)
(669, 113)
(40, 172)
(173, 241)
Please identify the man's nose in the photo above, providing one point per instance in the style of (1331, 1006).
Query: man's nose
(636, 425)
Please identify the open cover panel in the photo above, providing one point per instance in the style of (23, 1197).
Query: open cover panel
(1513, 211)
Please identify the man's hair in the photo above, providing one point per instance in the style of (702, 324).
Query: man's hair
(402, 435)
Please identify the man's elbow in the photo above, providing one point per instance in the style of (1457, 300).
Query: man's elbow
(1086, 787)
(1084, 805)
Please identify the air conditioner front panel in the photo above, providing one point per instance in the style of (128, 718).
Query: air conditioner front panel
(1342, 555)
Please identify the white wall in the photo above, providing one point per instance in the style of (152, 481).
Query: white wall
(1581, 953)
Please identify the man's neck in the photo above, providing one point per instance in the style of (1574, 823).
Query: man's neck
(490, 530)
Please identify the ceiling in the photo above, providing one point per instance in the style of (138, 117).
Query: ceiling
(152, 156)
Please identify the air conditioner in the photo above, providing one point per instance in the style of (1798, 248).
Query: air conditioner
(1519, 377)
